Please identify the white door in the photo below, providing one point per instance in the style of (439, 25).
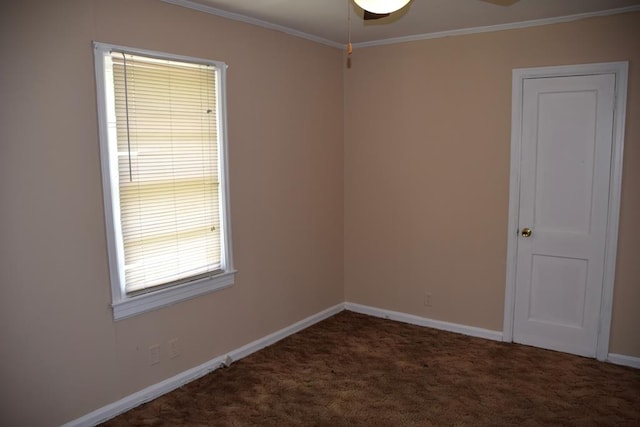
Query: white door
(567, 125)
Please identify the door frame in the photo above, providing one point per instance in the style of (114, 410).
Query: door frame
(620, 69)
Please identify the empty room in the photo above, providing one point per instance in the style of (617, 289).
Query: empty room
(335, 212)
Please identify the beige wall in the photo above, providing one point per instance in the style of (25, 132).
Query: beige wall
(427, 141)
(419, 153)
(61, 354)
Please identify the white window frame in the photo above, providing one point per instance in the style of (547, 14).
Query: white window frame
(123, 305)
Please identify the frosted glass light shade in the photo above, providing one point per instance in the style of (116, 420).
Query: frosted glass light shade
(381, 6)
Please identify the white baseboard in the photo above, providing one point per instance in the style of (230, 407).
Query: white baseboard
(156, 390)
(116, 408)
(616, 359)
(283, 333)
(423, 321)
(621, 359)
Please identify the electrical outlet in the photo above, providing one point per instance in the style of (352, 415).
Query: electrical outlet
(173, 348)
(427, 299)
(154, 354)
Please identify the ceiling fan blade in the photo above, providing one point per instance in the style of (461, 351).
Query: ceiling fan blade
(370, 15)
(501, 2)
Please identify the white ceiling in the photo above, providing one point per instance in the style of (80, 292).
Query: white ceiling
(325, 21)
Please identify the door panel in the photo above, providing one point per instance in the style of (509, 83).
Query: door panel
(564, 161)
(558, 287)
(567, 128)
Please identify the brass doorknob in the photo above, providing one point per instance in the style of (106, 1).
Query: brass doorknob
(526, 232)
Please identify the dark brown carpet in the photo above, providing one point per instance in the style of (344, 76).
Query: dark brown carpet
(358, 370)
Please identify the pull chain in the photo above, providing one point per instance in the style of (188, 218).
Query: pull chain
(349, 45)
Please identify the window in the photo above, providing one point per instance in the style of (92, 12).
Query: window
(164, 171)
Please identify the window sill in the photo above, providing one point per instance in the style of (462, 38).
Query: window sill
(133, 306)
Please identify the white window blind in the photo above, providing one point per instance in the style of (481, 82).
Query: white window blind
(165, 119)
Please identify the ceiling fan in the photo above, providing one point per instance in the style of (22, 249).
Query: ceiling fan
(376, 9)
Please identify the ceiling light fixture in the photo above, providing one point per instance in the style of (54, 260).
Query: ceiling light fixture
(381, 6)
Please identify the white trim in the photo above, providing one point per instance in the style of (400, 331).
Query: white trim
(246, 350)
(223, 153)
(132, 306)
(254, 21)
(156, 390)
(620, 69)
(423, 321)
(621, 359)
(514, 209)
(499, 27)
(425, 36)
(145, 395)
(615, 197)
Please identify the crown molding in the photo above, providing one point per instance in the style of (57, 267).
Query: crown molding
(394, 40)
(500, 27)
(254, 21)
